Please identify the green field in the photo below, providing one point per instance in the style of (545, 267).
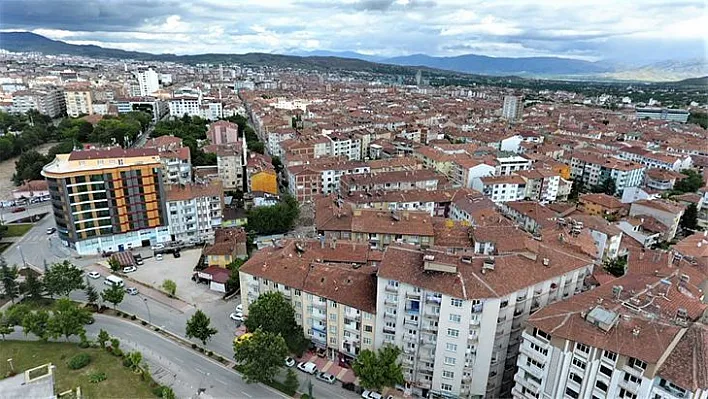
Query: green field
(17, 230)
(121, 382)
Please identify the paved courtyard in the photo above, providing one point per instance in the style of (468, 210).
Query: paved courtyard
(153, 272)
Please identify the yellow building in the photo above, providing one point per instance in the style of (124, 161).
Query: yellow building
(266, 181)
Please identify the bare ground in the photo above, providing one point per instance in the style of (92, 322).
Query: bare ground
(7, 168)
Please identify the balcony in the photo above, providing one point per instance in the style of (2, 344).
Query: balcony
(391, 288)
(409, 322)
(410, 338)
(319, 315)
(351, 326)
(629, 385)
(475, 321)
(434, 314)
(516, 326)
(388, 301)
(319, 305)
(521, 299)
(433, 299)
(473, 337)
(412, 295)
(389, 315)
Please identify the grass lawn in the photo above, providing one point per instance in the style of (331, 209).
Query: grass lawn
(17, 230)
(121, 382)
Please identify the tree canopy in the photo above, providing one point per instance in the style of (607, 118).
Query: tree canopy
(272, 313)
(63, 278)
(67, 319)
(275, 219)
(260, 356)
(379, 369)
(689, 219)
(198, 326)
(690, 184)
(8, 278)
(114, 294)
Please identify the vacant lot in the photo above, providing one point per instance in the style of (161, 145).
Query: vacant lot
(121, 382)
(7, 168)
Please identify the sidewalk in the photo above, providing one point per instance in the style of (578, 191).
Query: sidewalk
(329, 366)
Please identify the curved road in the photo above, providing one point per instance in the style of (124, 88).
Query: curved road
(174, 365)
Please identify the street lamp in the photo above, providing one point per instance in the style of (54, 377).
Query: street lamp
(145, 301)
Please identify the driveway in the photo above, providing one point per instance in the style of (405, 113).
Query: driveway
(153, 272)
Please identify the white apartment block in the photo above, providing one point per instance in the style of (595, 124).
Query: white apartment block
(593, 171)
(230, 167)
(509, 165)
(332, 174)
(512, 108)
(78, 102)
(459, 318)
(541, 185)
(148, 81)
(274, 138)
(343, 145)
(47, 101)
(333, 302)
(633, 339)
(501, 188)
(194, 211)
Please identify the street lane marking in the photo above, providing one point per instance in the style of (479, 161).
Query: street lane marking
(219, 380)
(246, 394)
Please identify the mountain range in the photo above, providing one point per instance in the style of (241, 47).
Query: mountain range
(543, 67)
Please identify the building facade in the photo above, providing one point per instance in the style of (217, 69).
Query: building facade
(194, 211)
(78, 101)
(107, 200)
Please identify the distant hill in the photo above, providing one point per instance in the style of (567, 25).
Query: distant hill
(664, 71)
(339, 54)
(472, 63)
(702, 81)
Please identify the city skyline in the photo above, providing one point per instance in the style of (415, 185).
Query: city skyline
(631, 33)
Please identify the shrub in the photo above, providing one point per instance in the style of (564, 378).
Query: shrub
(97, 377)
(194, 346)
(78, 361)
(349, 386)
(125, 315)
(117, 352)
(157, 329)
(133, 317)
(157, 391)
(210, 353)
(201, 349)
(119, 313)
(143, 322)
(127, 362)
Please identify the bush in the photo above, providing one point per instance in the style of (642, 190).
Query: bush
(79, 361)
(117, 352)
(97, 377)
(127, 362)
(210, 353)
(200, 349)
(119, 313)
(349, 386)
(144, 323)
(133, 317)
(125, 315)
(157, 391)
(194, 346)
(157, 329)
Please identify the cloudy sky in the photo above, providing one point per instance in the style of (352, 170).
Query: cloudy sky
(630, 31)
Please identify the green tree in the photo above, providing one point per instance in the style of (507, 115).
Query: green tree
(291, 383)
(689, 219)
(260, 356)
(91, 294)
(17, 313)
(379, 369)
(608, 186)
(37, 323)
(5, 326)
(67, 319)
(8, 277)
(233, 282)
(114, 264)
(114, 294)
(29, 167)
(32, 288)
(103, 337)
(698, 118)
(690, 184)
(63, 278)
(275, 219)
(272, 313)
(617, 266)
(170, 287)
(198, 326)
(135, 359)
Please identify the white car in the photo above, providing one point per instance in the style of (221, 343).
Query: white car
(239, 308)
(237, 316)
(289, 361)
(326, 377)
(157, 246)
(129, 269)
(371, 395)
(308, 367)
(94, 275)
(158, 257)
(132, 291)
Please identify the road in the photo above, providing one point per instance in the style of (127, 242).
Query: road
(174, 365)
(7, 216)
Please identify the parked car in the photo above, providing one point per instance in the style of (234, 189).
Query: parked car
(157, 246)
(289, 361)
(132, 291)
(308, 367)
(371, 395)
(19, 209)
(51, 230)
(129, 269)
(158, 257)
(239, 308)
(94, 275)
(326, 377)
(139, 261)
(237, 316)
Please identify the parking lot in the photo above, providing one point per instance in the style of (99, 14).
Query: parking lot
(153, 272)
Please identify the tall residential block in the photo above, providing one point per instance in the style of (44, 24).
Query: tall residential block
(512, 108)
(108, 200)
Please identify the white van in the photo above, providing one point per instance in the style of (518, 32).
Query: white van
(113, 280)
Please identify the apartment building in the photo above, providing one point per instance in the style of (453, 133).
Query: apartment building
(512, 108)
(175, 158)
(330, 285)
(602, 205)
(346, 145)
(108, 200)
(591, 171)
(666, 212)
(336, 219)
(308, 180)
(507, 165)
(459, 317)
(654, 159)
(45, 100)
(435, 203)
(78, 99)
(607, 236)
(260, 174)
(230, 164)
(188, 101)
(634, 338)
(674, 115)
(194, 210)
(274, 139)
(542, 185)
(393, 181)
(148, 81)
(661, 179)
(157, 108)
(501, 188)
(222, 132)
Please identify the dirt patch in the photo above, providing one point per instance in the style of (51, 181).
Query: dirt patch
(7, 169)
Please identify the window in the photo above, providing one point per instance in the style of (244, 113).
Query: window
(333, 329)
(504, 304)
(446, 387)
(578, 363)
(606, 370)
(297, 292)
(530, 361)
(333, 340)
(576, 378)
(333, 305)
(601, 386)
(455, 318)
(637, 364)
(582, 348)
(456, 302)
(571, 393)
(452, 332)
(451, 347)
(631, 378)
(450, 360)
(538, 348)
(448, 374)
(625, 394)
(368, 329)
(332, 317)
(367, 341)
(609, 355)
